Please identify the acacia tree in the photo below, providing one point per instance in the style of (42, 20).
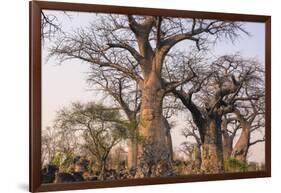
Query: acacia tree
(100, 127)
(127, 96)
(58, 145)
(137, 46)
(217, 97)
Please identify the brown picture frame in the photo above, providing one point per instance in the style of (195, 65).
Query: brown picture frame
(35, 94)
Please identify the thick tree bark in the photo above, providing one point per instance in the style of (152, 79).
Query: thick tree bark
(227, 147)
(241, 147)
(210, 133)
(212, 151)
(152, 128)
(227, 141)
(152, 124)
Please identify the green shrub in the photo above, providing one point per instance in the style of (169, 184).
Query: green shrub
(234, 165)
(62, 160)
(57, 159)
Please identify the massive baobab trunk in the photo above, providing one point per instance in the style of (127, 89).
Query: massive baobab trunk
(209, 119)
(241, 147)
(210, 134)
(227, 140)
(212, 151)
(151, 120)
(153, 152)
(151, 126)
(133, 143)
(227, 146)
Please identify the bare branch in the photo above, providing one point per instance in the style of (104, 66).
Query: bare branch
(256, 141)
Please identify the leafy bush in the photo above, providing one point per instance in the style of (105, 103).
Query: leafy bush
(234, 165)
(62, 160)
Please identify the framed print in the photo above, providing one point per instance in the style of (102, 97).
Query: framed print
(123, 96)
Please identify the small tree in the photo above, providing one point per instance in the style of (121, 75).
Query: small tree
(192, 150)
(48, 145)
(100, 128)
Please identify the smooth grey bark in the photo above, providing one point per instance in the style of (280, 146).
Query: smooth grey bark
(241, 148)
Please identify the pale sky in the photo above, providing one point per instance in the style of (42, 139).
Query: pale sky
(66, 83)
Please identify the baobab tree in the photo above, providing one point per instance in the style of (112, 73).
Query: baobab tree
(247, 116)
(217, 94)
(126, 94)
(250, 121)
(49, 25)
(138, 46)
